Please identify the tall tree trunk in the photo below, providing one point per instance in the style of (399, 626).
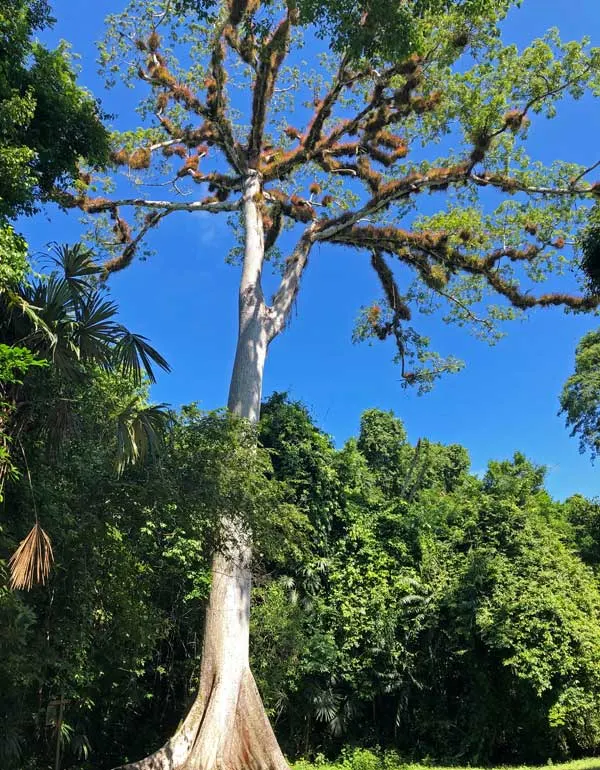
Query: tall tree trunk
(227, 727)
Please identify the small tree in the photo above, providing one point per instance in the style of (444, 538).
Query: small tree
(349, 165)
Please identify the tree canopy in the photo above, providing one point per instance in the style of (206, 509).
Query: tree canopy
(48, 122)
(423, 161)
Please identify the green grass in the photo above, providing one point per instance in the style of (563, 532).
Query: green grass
(364, 759)
(577, 764)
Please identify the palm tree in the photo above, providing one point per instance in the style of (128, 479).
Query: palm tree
(68, 322)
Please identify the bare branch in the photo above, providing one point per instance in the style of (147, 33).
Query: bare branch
(168, 206)
(283, 300)
(167, 143)
(466, 309)
(124, 259)
(511, 184)
(578, 178)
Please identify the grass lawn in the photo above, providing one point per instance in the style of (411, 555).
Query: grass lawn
(577, 764)
(363, 759)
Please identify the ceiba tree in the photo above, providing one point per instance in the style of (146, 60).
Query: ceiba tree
(353, 163)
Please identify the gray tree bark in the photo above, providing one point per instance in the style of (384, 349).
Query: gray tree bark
(227, 727)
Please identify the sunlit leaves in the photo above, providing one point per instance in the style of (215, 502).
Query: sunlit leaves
(580, 398)
(47, 122)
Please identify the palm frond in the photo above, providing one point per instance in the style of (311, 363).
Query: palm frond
(80, 745)
(75, 265)
(54, 306)
(61, 423)
(57, 310)
(326, 705)
(134, 354)
(11, 743)
(140, 433)
(95, 330)
(53, 296)
(30, 564)
(23, 306)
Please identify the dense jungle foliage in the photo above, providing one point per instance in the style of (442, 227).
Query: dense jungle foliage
(401, 601)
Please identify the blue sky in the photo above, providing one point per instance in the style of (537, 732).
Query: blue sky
(185, 300)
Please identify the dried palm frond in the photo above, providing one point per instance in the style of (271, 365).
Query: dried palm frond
(30, 564)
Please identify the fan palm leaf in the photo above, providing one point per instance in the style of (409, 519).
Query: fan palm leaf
(95, 330)
(135, 356)
(53, 296)
(75, 266)
(140, 432)
(54, 306)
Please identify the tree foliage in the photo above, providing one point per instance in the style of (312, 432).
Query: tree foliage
(401, 602)
(580, 398)
(344, 154)
(66, 324)
(379, 30)
(48, 123)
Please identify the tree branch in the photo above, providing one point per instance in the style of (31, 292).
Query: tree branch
(283, 300)
(216, 101)
(511, 184)
(125, 258)
(430, 254)
(368, 122)
(271, 59)
(326, 105)
(466, 309)
(388, 193)
(94, 206)
(578, 178)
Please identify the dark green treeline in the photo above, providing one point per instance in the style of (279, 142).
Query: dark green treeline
(400, 601)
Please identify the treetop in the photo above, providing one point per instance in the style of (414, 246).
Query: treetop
(345, 152)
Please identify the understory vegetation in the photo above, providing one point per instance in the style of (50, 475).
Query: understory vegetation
(403, 604)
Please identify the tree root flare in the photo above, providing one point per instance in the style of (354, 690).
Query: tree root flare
(208, 739)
